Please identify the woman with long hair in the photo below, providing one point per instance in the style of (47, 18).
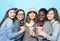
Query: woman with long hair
(7, 26)
(19, 23)
(30, 24)
(43, 23)
(54, 20)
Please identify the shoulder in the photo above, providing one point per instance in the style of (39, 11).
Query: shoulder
(17, 21)
(9, 21)
(56, 25)
(47, 23)
(56, 22)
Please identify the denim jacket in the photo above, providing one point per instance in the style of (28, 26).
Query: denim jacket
(6, 31)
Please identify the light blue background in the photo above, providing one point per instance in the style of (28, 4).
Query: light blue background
(26, 4)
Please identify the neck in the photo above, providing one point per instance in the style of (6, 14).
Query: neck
(52, 20)
(31, 23)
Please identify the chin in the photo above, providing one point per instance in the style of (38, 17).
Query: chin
(49, 18)
(33, 18)
(13, 17)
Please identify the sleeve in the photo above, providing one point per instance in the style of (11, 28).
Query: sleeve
(16, 26)
(55, 33)
(47, 27)
(16, 29)
(9, 31)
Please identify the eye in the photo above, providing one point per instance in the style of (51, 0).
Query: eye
(51, 13)
(14, 12)
(10, 12)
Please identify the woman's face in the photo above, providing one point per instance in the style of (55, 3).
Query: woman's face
(20, 15)
(50, 15)
(12, 14)
(32, 15)
(42, 15)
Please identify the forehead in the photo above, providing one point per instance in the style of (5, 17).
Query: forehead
(42, 13)
(12, 11)
(32, 12)
(51, 11)
(20, 12)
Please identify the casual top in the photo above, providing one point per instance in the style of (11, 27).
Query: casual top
(47, 29)
(58, 37)
(17, 25)
(56, 29)
(27, 36)
(6, 31)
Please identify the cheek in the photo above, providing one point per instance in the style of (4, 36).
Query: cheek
(9, 15)
(42, 17)
(14, 14)
(34, 15)
(48, 16)
(30, 15)
(51, 15)
(21, 17)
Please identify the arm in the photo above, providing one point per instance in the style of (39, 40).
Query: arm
(9, 31)
(55, 33)
(16, 26)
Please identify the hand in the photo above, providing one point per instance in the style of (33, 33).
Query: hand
(31, 31)
(22, 29)
(42, 33)
(39, 29)
(38, 24)
(33, 34)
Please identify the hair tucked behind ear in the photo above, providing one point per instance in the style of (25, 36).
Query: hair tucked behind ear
(6, 15)
(22, 11)
(28, 18)
(56, 14)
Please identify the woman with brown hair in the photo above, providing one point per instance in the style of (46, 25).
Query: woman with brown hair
(43, 23)
(31, 20)
(7, 26)
(19, 23)
(54, 20)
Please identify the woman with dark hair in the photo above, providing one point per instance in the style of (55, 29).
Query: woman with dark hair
(7, 26)
(19, 23)
(54, 20)
(31, 20)
(43, 23)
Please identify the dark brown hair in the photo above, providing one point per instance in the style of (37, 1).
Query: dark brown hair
(20, 10)
(6, 15)
(56, 16)
(28, 19)
(44, 11)
(41, 22)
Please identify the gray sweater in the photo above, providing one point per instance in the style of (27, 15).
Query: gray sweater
(16, 29)
(27, 37)
(55, 32)
(47, 29)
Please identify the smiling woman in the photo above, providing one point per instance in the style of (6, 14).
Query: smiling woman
(28, 3)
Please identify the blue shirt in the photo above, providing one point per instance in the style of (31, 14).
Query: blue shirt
(6, 31)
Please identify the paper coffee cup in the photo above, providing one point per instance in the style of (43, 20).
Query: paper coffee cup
(39, 29)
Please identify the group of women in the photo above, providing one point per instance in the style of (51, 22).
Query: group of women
(44, 26)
